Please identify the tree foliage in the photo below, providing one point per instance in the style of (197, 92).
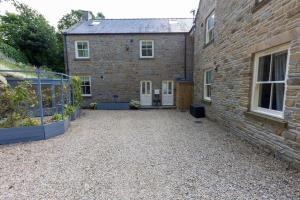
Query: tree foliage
(72, 18)
(69, 20)
(13, 53)
(100, 15)
(29, 32)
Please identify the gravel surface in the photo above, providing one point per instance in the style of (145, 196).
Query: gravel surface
(156, 154)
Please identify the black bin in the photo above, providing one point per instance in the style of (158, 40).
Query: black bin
(198, 111)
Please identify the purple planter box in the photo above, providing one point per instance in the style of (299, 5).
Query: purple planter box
(33, 133)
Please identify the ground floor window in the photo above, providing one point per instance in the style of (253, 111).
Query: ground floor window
(86, 85)
(207, 84)
(269, 81)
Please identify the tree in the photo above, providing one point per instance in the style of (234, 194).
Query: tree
(69, 20)
(72, 18)
(100, 15)
(29, 32)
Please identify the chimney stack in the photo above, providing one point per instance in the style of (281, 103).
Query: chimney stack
(86, 15)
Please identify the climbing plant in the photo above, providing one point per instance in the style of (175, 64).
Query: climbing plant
(76, 84)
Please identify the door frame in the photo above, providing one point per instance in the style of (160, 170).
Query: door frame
(168, 95)
(146, 95)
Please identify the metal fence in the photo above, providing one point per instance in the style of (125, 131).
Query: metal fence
(53, 91)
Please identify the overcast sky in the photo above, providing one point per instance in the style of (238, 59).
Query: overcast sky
(53, 10)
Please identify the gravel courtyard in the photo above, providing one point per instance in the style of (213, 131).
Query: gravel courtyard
(155, 154)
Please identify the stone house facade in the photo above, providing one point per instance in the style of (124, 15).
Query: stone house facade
(112, 63)
(247, 70)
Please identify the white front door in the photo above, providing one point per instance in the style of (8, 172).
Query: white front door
(146, 93)
(167, 93)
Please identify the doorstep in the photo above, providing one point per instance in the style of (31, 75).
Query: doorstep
(158, 107)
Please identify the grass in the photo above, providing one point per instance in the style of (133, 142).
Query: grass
(9, 64)
(6, 65)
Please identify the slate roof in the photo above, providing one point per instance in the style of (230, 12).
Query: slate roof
(127, 26)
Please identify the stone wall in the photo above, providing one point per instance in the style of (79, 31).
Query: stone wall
(116, 68)
(243, 29)
(190, 55)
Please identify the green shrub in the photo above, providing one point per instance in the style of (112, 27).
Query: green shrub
(135, 105)
(69, 110)
(13, 53)
(76, 85)
(11, 121)
(56, 117)
(93, 106)
(30, 122)
(15, 103)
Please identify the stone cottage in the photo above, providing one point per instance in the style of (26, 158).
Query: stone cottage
(247, 70)
(129, 59)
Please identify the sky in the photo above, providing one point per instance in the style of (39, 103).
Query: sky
(53, 10)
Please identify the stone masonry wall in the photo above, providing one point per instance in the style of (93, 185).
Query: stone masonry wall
(116, 68)
(241, 30)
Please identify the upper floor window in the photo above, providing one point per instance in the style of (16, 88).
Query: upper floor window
(146, 49)
(210, 26)
(86, 85)
(207, 84)
(269, 82)
(82, 49)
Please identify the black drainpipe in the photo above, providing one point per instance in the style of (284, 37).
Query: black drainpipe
(66, 54)
(185, 38)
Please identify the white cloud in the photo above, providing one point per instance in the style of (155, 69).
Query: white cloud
(53, 10)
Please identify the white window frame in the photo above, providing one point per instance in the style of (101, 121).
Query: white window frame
(255, 91)
(207, 40)
(168, 89)
(90, 85)
(147, 93)
(141, 49)
(76, 49)
(207, 84)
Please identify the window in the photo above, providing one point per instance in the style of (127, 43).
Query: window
(207, 84)
(146, 49)
(146, 87)
(210, 26)
(82, 49)
(269, 82)
(167, 87)
(86, 86)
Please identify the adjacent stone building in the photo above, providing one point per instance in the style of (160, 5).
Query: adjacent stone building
(247, 70)
(130, 59)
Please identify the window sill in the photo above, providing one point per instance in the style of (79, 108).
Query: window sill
(82, 59)
(146, 58)
(259, 5)
(209, 43)
(206, 102)
(280, 123)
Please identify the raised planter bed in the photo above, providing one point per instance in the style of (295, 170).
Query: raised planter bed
(33, 133)
(112, 106)
(75, 115)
